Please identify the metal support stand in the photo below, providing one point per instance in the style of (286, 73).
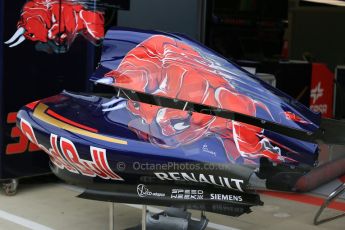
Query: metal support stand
(143, 217)
(111, 216)
(171, 218)
(334, 195)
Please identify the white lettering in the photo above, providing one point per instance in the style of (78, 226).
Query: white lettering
(226, 197)
(201, 178)
(162, 176)
(319, 108)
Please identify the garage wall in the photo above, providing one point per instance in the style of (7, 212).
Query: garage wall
(183, 16)
(320, 32)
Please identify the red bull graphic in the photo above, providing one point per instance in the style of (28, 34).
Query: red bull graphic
(64, 155)
(54, 24)
(164, 66)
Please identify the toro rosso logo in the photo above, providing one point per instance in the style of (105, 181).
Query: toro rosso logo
(167, 67)
(56, 23)
(64, 155)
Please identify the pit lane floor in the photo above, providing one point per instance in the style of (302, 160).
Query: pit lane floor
(52, 205)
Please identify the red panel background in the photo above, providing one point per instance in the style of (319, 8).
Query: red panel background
(322, 88)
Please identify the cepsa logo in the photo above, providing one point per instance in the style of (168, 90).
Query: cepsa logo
(315, 94)
(21, 143)
(64, 155)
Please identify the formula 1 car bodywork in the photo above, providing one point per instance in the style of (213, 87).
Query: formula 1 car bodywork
(179, 126)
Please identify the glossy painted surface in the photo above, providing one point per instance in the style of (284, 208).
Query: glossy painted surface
(90, 135)
(173, 66)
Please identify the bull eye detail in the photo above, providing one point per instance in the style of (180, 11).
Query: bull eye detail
(136, 105)
(29, 35)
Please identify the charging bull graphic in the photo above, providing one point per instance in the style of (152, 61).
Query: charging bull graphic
(167, 67)
(54, 24)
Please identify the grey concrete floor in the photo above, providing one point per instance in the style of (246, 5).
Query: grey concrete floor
(45, 206)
